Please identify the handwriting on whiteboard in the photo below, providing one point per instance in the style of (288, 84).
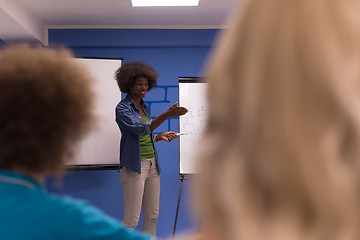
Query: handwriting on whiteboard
(194, 121)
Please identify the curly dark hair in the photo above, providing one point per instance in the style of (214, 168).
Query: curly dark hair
(46, 103)
(127, 74)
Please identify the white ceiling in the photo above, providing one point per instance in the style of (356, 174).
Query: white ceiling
(29, 19)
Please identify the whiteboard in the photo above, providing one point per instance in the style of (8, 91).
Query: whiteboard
(100, 148)
(192, 95)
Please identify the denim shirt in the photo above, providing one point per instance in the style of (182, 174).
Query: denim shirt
(128, 118)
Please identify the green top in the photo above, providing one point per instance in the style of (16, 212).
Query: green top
(146, 145)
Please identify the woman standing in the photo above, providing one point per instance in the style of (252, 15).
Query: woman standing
(139, 167)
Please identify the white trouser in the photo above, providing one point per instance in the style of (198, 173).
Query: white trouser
(141, 189)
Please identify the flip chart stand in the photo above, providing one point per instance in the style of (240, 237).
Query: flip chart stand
(178, 203)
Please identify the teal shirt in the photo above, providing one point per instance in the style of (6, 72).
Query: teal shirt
(28, 212)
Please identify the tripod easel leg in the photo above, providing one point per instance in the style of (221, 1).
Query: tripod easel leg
(178, 205)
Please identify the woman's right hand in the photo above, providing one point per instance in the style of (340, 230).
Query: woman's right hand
(175, 111)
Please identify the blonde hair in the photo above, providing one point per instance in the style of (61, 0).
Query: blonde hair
(46, 102)
(280, 156)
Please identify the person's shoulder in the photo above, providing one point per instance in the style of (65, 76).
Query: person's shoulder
(125, 102)
(72, 209)
(66, 204)
(87, 220)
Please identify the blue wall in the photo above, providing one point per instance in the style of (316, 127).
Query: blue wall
(173, 53)
(2, 43)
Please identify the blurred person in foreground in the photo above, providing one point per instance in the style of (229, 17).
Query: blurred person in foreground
(280, 157)
(46, 103)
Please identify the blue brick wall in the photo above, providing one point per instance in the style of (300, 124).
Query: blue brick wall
(2, 43)
(159, 100)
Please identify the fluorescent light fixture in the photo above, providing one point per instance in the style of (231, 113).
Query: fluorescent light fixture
(167, 3)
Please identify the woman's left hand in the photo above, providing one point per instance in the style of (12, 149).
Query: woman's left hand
(167, 136)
